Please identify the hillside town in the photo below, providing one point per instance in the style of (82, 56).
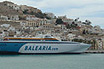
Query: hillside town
(26, 21)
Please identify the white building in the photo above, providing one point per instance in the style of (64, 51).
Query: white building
(13, 17)
(96, 30)
(99, 44)
(2, 17)
(5, 34)
(11, 28)
(31, 17)
(71, 36)
(62, 17)
(5, 25)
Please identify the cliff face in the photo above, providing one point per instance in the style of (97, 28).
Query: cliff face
(6, 10)
(9, 8)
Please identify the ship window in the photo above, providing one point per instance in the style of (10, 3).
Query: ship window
(47, 37)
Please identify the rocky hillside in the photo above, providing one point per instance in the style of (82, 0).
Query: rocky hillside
(9, 8)
(6, 10)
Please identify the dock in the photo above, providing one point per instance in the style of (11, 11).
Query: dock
(94, 51)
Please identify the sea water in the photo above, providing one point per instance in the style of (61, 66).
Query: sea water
(52, 61)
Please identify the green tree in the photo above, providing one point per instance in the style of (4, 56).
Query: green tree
(59, 21)
(25, 11)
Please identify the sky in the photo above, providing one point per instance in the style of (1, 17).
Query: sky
(92, 10)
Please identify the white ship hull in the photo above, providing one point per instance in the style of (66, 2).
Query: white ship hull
(43, 47)
(53, 48)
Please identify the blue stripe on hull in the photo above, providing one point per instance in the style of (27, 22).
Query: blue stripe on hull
(10, 47)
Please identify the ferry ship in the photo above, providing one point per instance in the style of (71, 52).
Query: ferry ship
(40, 45)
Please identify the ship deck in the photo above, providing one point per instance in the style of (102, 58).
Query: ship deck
(40, 42)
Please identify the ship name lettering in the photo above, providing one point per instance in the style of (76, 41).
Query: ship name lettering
(37, 48)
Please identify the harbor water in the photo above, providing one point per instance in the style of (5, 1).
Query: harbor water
(52, 61)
